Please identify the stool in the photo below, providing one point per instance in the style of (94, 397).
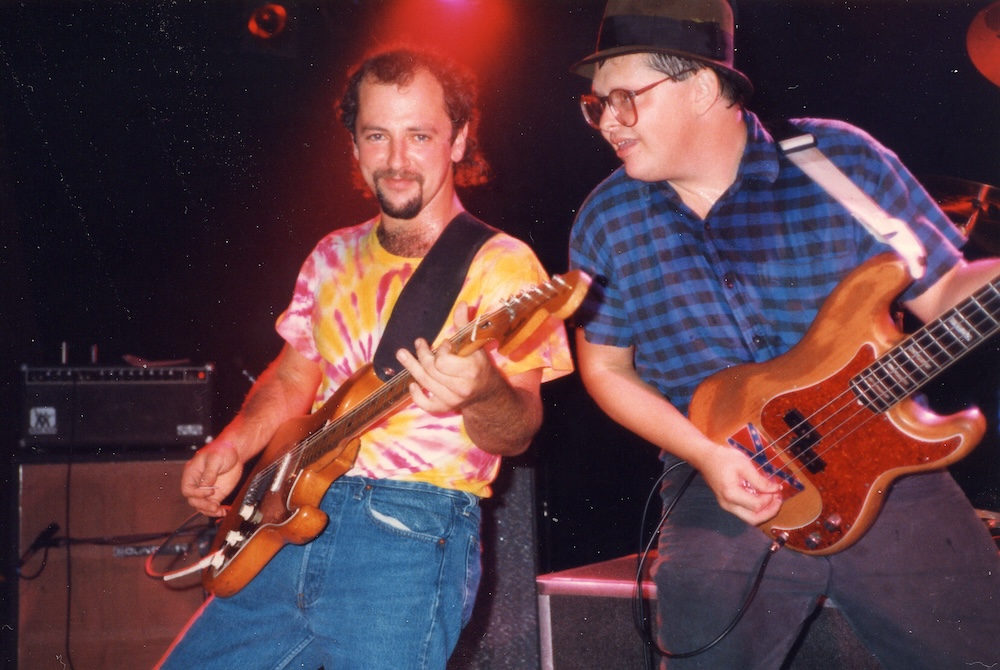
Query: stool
(585, 622)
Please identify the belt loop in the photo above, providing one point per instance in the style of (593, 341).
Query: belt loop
(360, 485)
(471, 503)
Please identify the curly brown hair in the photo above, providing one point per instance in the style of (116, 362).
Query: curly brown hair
(398, 67)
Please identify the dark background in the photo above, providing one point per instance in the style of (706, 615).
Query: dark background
(163, 175)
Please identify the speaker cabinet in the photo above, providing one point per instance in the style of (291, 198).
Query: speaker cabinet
(91, 605)
(585, 623)
(503, 632)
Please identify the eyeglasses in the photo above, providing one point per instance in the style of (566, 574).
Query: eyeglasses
(621, 102)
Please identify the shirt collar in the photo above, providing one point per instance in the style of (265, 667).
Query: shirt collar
(760, 157)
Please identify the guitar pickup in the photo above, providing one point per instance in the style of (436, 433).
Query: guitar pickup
(806, 439)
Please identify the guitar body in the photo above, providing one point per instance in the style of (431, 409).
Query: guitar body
(835, 479)
(287, 512)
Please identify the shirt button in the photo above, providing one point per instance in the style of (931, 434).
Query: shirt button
(758, 340)
(728, 280)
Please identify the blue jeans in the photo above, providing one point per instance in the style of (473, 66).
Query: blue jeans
(389, 584)
(921, 588)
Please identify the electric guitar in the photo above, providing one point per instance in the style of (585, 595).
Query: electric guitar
(278, 503)
(833, 421)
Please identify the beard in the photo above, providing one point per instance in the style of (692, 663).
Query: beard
(405, 210)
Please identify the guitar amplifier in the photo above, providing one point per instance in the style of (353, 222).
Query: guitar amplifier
(115, 406)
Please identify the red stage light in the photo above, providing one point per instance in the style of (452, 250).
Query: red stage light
(267, 21)
(473, 31)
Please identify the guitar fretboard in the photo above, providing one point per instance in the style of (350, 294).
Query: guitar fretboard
(929, 351)
(356, 421)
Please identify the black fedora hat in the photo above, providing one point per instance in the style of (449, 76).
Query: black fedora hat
(698, 29)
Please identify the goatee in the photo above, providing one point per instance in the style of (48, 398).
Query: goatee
(406, 210)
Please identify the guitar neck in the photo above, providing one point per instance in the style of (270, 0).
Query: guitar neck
(379, 404)
(929, 351)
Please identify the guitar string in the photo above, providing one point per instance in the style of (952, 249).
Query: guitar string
(985, 300)
(893, 354)
(331, 426)
(934, 332)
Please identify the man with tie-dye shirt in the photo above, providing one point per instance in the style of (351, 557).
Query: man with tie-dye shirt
(391, 580)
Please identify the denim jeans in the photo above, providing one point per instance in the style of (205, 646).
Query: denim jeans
(921, 588)
(389, 584)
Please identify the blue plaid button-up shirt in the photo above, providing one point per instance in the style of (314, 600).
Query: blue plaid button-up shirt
(743, 285)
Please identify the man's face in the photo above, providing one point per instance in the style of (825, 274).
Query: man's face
(652, 148)
(403, 144)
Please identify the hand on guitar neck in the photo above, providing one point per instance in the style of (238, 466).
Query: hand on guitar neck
(446, 380)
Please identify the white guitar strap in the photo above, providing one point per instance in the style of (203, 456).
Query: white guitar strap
(801, 150)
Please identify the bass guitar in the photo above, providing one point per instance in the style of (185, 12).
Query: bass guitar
(833, 419)
(279, 502)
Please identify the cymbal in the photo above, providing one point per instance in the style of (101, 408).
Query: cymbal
(973, 207)
(983, 42)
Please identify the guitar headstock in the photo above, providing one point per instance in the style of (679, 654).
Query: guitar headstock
(521, 317)
(572, 288)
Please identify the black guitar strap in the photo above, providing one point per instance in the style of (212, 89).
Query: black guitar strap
(428, 297)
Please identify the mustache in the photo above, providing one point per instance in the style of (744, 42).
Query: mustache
(388, 173)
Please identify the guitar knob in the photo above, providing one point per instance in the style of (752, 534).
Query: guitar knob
(833, 523)
(233, 538)
(813, 540)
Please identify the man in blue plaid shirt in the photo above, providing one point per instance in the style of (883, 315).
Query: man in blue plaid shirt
(710, 249)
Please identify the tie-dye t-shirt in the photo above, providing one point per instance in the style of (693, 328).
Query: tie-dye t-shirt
(343, 297)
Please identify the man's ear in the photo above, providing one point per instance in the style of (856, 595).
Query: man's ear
(707, 88)
(354, 147)
(458, 145)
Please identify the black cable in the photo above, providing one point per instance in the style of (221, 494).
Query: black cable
(198, 531)
(43, 541)
(641, 619)
(41, 567)
(639, 615)
(776, 544)
(46, 540)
